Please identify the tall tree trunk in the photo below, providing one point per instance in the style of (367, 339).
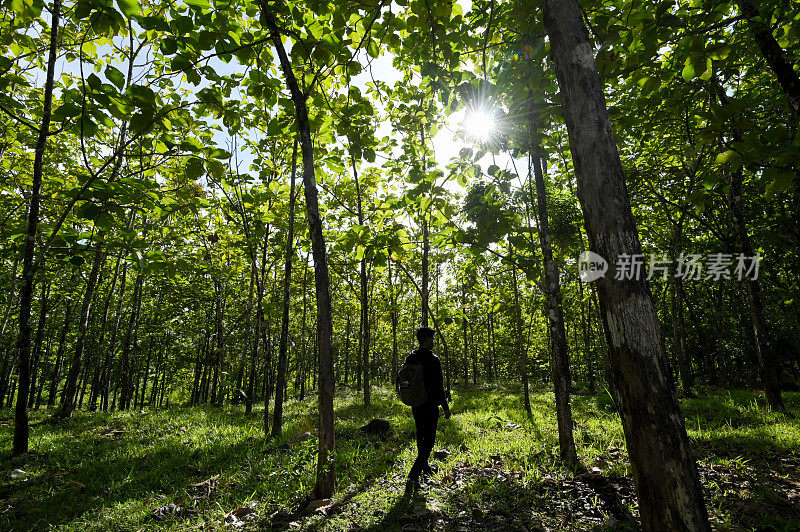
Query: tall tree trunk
(110, 348)
(83, 324)
(667, 484)
(240, 372)
(678, 330)
(393, 315)
(326, 471)
(364, 283)
(36, 363)
(97, 383)
(125, 377)
(54, 378)
(770, 377)
(283, 342)
(425, 250)
(559, 359)
(522, 358)
(251, 381)
(9, 357)
(775, 56)
(20, 445)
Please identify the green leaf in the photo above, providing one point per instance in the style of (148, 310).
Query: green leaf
(719, 52)
(115, 76)
(780, 179)
(88, 210)
(168, 46)
(726, 156)
(194, 168)
(129, 8)
(216, 168)
(372, 49)
(688, 72)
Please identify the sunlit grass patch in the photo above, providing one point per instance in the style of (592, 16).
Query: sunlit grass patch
(112, 471)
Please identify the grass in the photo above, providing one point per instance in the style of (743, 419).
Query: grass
(114, 471)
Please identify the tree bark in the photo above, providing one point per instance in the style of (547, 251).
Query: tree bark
(522, 358)
(770, 378)
(775, 56)
(125, 376)
(364, 284)
(393, 315)
(667, 483)
(54, 378)
(326, 472)
(21, 428)
(110, 348)
(36, 363)
(7, 369)
(97, 384)
(425, 251)
(559, 361)
(283, 342)
(68, 405)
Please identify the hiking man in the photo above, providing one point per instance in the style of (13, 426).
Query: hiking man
(426, 415)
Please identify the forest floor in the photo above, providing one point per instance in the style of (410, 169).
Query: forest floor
(204, 468)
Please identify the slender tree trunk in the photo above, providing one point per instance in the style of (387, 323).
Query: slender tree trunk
(83, 324)
(20, 445)
(347, 349)
(9, 357)
(425, 270)
(36, 363)
(126, 374)
(393, 314)
(677, 317)
(326, 472)
(522, 359)
(38, 401)
(667, 484)
(51, 397)
(425, 247)
(97, 383)
(283, 342)
(559, 360)
(111, 347)
(364, 283)
(770, 376)
(775, 56)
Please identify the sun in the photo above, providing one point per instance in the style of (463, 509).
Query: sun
(479, 124)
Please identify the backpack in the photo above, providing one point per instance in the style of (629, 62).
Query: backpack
(410, 386)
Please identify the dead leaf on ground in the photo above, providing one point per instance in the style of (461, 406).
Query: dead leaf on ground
(321, 505)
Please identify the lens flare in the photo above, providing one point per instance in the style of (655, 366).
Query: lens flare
(480, 124)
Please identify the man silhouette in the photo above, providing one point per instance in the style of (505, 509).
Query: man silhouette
(426, 415)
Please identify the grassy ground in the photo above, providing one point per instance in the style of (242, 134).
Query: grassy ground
(207, 468)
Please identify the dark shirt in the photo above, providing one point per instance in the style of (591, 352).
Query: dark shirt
(431, 375)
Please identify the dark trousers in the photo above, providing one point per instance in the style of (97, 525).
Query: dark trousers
(426, 417)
